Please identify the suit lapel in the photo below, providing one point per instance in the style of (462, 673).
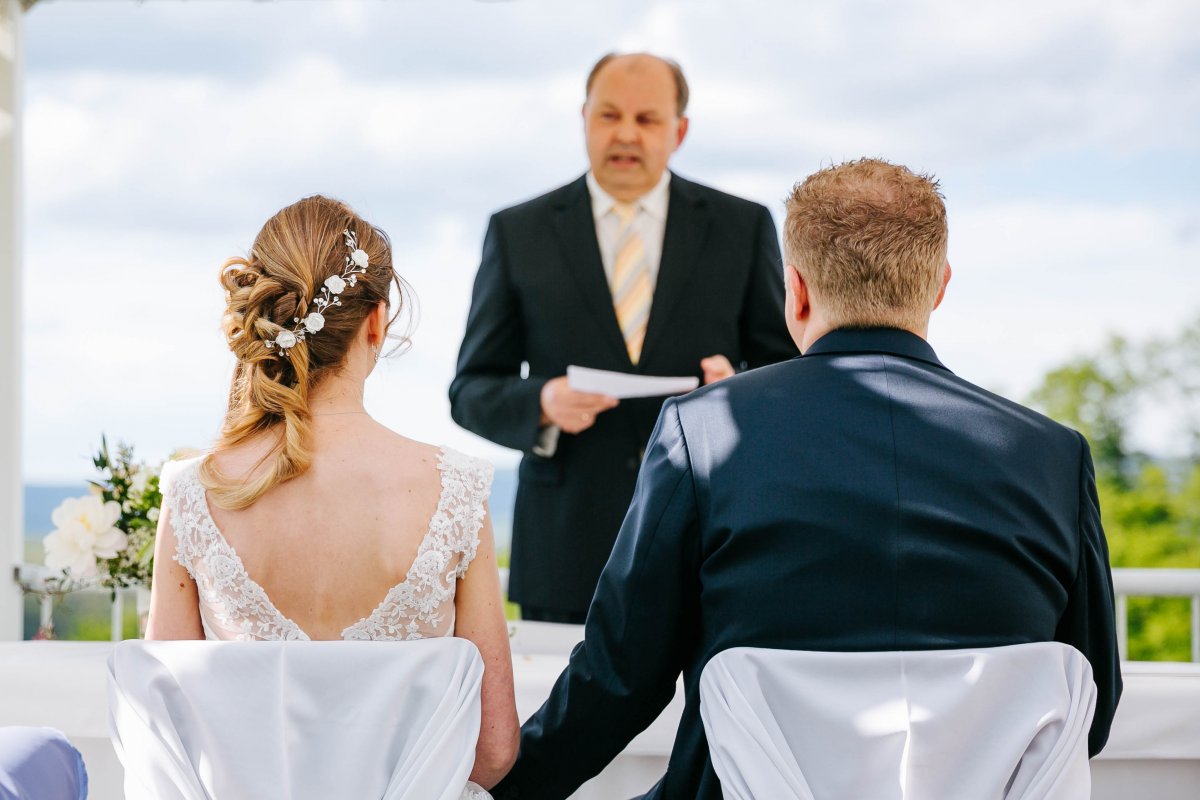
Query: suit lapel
(688, 220)
(576, 229)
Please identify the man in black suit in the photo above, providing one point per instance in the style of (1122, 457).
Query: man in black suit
(631, 269)
(859, 498)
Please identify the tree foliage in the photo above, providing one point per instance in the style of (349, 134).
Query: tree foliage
(1150, 505)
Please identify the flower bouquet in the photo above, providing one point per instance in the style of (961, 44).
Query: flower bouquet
(107, 536)
(104, 538)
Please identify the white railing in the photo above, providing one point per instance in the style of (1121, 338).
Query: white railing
(1126, 583)
(33, 578)
(1155, 583)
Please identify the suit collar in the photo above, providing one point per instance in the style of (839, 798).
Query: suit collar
(576, 231)
(688, 219)
(892, 341)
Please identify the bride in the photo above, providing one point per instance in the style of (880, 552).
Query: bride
(309, 519)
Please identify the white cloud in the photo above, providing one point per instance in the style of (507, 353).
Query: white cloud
(159, 137)
(1036, 284)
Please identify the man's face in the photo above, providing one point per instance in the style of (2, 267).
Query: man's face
(632, 125)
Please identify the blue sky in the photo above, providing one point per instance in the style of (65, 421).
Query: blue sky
(159, 136)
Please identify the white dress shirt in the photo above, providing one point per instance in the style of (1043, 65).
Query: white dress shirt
(650, 221)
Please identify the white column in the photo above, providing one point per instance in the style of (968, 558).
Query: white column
(12, 523)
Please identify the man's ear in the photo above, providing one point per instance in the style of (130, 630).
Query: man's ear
(682, 132)
(945, 282)
(801, 310)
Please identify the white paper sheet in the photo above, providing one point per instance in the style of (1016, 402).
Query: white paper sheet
(622, 385)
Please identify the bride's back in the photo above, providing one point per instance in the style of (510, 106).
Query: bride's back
(309, 520)
(329, 545)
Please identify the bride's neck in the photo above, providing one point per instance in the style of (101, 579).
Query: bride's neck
(336, 394)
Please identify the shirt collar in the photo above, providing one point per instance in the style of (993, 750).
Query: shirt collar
(653, 202)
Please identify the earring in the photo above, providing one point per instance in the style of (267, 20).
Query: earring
(375, 352)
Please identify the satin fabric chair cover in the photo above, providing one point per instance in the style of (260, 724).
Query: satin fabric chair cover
(40, 762)
(346, 719)
(1005, 723)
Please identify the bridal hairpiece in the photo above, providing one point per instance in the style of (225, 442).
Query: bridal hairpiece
(330, 295)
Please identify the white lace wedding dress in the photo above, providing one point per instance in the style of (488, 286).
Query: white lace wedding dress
(234, 607)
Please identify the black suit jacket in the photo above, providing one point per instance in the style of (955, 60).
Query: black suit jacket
(541, 298)
(859, 498)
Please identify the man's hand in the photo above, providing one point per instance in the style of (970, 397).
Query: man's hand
(716, 368)
(570, 410)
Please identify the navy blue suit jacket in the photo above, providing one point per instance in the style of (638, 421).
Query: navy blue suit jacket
(858, 498)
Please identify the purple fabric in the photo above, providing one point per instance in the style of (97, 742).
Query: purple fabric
(40, 764)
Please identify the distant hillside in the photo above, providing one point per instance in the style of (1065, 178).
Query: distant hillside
(41, 500)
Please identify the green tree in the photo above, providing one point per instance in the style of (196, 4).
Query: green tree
(1150, 506)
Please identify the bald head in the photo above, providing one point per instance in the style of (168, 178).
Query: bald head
(646, 63)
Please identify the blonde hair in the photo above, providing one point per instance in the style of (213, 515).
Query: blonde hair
(294, 253)
(869, 238)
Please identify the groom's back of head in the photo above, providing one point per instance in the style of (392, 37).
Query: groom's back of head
(869, 239)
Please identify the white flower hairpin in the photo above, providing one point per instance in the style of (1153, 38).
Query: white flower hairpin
(330, 295)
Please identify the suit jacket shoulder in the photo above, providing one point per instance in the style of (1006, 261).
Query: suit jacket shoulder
(719, 201)
(538, 207)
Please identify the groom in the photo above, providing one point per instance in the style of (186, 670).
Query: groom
(860, 497)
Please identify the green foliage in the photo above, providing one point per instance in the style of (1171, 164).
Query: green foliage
(1150, 507)
(134, 487)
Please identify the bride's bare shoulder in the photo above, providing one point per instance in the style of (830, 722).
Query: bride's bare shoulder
(245, 458)
(405, 447)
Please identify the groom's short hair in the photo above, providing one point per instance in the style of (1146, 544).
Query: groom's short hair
(869, 239)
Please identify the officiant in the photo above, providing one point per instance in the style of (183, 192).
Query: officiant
(629, 268)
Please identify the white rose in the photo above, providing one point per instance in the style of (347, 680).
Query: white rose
(359, 257)
(84, 532)
(89, 512)
(286, 339)
(110, 543)
(67, 550)
(335, 284)
(152, 515)
(314, 322)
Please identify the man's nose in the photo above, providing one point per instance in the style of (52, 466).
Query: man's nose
(627, 131)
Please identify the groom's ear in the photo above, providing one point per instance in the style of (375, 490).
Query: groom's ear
(945, 282)
(798, 289)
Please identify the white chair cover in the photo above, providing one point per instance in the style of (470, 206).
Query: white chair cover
(231, 720)
(1006, 722)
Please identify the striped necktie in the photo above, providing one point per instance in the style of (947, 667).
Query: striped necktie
(632, 292)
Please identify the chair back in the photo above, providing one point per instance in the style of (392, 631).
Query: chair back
(229, 720)
(1003, 723)
(40, 762)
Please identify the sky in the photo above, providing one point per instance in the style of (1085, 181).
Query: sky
(159, 136)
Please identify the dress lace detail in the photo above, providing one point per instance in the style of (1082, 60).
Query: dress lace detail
(234, 606)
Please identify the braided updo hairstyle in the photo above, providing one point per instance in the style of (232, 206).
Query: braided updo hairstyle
(294, 253)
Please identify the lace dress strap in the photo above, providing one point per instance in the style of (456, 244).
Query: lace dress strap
(185, 507)
(422, 605)
(466, 484)
(232, 605)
